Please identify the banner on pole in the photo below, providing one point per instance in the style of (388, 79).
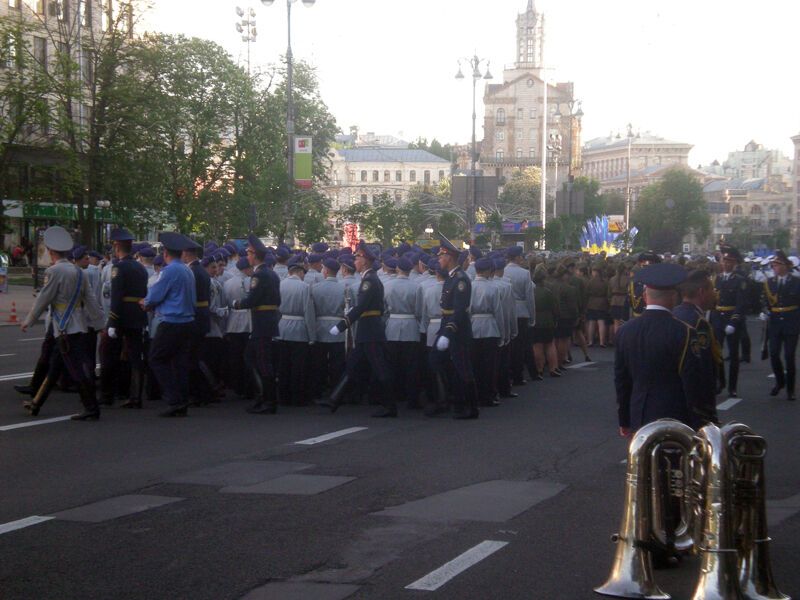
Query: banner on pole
(302, 162)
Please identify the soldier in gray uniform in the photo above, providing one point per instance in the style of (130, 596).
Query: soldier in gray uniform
(282, 255)
(503, 380)
(238, 326)
(475, 254)
(403, 300)
(298, 329)
(522, 287)
(314, 273)
(430, 322)
(328, 354)
(487, 327)
(73, 309)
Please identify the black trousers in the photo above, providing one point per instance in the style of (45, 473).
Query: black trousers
(238, 377)
(45, 357)
(403, 362)
(366, 360)
(259, 356)
(129, 344)
(292, 373)
(503, 377)
(484, 360)
(733, 355)
(789, 343)
(521, 351)
(328, 359)
(463, 380)
(744, 338)
(70, 356)
(169, 360)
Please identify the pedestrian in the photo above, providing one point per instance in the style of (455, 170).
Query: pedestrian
(618, 290)
(487, 327)
(547, 316)
(238, 328)
(597, 306)
(522, 288)
(781, 301)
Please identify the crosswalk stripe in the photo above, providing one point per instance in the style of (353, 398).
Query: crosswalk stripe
(436, 579)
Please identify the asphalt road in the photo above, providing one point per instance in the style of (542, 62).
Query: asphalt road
(226, 505)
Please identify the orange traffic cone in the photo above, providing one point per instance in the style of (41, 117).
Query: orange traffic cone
(12, 318)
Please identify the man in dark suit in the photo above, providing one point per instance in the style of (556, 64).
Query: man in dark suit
(657, 369)
(781, 302)
(731, 311)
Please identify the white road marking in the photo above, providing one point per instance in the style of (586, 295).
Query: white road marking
(581, 365)
(329, 436)
(35, 423)
(436, 579)
(31, 339)
(771, 376)
(4, 355)
(15, 376)
(728, 404)
(22, 523)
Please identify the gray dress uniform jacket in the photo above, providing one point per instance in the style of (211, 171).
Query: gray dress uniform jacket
(509, 308)
(236, 288)
(471, 273)
(431, 320)
(60, 282)
(105, 289)
(313, 277)
(403, 301)
(217, 309)
(522, 287)
(486, 310)
(328, 297)
(298, 319)
(282, 271)
(153, 318)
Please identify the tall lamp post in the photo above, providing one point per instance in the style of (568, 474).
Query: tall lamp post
(628, 179)
(475, 64)
(575, 112)
(289, 207)
(246, 26)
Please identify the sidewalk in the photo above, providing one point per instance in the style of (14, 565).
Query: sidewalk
(22, 297)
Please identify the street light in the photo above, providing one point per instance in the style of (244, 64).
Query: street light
(289, 208)
(575, 112)
(475, 64)
(628, 179)
(246, 26)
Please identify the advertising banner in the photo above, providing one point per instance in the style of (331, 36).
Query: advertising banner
(302, 162)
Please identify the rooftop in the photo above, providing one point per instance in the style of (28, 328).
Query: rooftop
(737, 183)
(400, 155)
(643, 139)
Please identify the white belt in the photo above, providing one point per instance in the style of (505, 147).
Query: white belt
(337, 319)
(399, 316)
(293, 318)
(435, 320)
(482, 315)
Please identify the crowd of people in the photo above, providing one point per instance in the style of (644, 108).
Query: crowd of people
(192, 325)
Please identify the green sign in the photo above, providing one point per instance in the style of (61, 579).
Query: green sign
(302, 162)
(60, 212)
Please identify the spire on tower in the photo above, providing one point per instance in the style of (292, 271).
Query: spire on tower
(531, 7)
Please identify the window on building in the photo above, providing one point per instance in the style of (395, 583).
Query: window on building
(41, 6)
(520, 113)
(755, 210)
(533, 113)
(61, 9)
(376, 176)
(63, 50)
(363, 175)
(500, 118)
(87, 67)
(398, 196)
(441, 175)
(756, 222)
(40, 51)
(499, 135)
(398, 176)
(387, 177)
(363, 198)
(498, 154)
(15, 4)
(774, 222)
(412, 176)
(519, 152)
(427, 177)
(533, 134)
(736, 210)
(530, 49)
(86, 10)
(774, 209)
(532, 153)
(10, 51)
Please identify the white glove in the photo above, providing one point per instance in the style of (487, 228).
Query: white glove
(730, 330)
(442, 343)
(112, 333)
(222, 312)
(335, 330)
(763, 316)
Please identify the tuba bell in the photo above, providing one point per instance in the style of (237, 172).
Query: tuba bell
(655, 445)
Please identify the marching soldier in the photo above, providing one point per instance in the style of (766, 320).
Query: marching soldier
(730, 311)
(403, 299)
(503, 378)
(454, 339)
(263, 300)
(73, 309)
(173, 297)
(487, 327)
(430, 322)
(126, 323)
(782, 313)
(522, 287)
(238, 326)
(297, 329)
(329, 297)
(213, 348)
(370, 337)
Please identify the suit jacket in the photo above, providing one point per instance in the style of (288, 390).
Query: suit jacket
(263, 300)
(368, 311)
(783, 318)
(128, 286)
(456, 297)
(202, 283)
(731, 306)
(657, 371)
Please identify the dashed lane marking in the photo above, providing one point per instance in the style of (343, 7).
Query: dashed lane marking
(436, 579)
(728, 404)
(4, 355)
(35, 423)
(581, 365)
(22, 523)
(15, 376)
(329, 436)
(39, 339)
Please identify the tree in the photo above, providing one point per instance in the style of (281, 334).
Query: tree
(670, 209)
(521, 196)
(447, 152)
(593, 201)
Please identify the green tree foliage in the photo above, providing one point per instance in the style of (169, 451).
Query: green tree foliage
(521, 196)
(670, 209)
(447, 152)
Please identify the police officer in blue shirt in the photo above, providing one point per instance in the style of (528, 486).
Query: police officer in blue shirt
(126, 323)
(173, 298)
(263, 300)
(657, 366)
(781, 300)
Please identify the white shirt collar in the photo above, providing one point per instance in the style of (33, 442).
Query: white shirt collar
(657, 307)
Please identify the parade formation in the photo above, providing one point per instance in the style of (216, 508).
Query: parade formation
(187, 323)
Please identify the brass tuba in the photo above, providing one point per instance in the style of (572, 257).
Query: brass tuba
(647, 493)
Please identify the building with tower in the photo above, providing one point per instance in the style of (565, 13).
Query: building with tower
(515, 111)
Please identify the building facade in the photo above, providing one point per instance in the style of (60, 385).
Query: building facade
(795, 187)
(362, 175)
(515, 112)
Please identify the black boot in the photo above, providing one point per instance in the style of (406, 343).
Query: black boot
(25, 389)
(91, 411)
(137, 384)
(35, 405)
(333, 401)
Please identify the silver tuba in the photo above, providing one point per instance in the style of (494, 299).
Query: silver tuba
(648, 498)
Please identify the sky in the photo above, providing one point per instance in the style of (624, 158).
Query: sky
(712, 73)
